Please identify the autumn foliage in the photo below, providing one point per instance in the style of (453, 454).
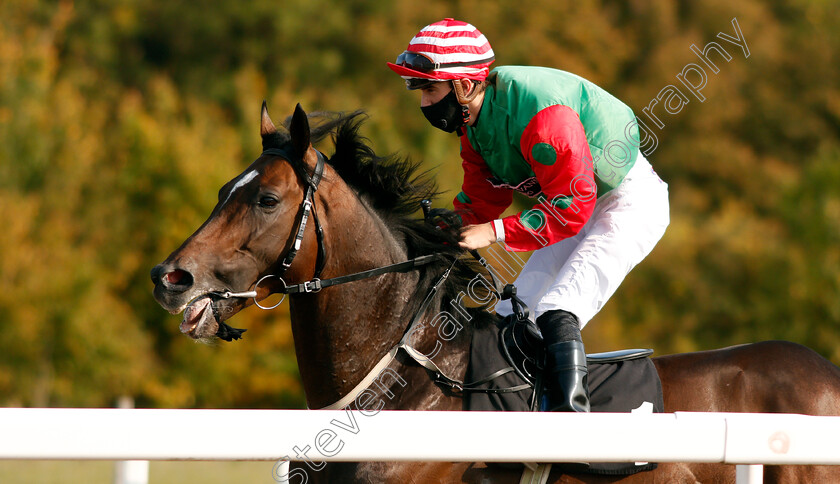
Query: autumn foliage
(120, 120)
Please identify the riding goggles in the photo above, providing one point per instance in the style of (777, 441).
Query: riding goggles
(422, 63)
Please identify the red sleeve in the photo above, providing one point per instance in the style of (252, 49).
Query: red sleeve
(479, 201)
(555, 146)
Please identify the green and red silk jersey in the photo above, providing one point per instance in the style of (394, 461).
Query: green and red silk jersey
(553, 136)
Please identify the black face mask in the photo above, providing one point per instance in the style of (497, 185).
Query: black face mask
(447, 114)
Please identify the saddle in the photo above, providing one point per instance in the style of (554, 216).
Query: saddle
(512, 349)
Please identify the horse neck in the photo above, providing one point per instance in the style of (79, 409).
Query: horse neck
(342, 332)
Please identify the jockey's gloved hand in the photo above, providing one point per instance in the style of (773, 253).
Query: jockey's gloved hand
(443, 219)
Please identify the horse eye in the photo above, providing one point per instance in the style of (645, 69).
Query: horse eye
(267, 202)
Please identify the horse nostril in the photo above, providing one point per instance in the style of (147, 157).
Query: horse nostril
(178, 277)
(172, 279)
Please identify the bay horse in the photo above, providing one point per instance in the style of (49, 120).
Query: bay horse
(292, 213)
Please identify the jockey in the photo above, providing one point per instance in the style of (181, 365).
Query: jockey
(563, 141)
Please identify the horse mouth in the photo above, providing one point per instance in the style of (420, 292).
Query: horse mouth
(200, 320)
(204, 320)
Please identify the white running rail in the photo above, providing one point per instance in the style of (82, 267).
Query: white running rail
(338, 435)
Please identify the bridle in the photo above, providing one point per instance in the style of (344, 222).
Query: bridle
(315, 285)
(307, 207)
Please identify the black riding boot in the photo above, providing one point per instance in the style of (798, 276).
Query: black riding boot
(566, 374)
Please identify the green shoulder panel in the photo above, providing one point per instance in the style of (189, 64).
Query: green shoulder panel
(517, 93)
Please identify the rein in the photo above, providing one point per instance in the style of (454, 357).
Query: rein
(316, 284)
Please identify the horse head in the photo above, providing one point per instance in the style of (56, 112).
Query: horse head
(294, 218)
(245, 237)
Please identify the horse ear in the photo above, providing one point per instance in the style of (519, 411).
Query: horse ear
(266, 126)
(299, 130)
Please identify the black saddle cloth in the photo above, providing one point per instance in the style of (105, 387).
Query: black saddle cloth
(613, 387)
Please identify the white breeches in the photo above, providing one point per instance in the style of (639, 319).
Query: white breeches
(579, 274)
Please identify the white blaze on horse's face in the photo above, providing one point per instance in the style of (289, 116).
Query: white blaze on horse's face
(241, 183)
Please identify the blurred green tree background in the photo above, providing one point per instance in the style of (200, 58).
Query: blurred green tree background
(120, 119)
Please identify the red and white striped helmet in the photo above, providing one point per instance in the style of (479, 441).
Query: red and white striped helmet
(449, 49)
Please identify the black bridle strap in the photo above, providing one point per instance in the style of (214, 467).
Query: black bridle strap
(307, 206)
(316, 284)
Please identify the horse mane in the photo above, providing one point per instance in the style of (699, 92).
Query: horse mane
(393, 186)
